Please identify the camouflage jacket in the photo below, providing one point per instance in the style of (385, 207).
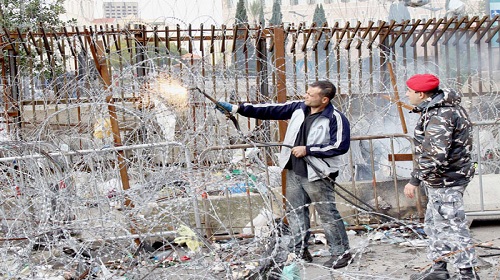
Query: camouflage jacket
(443, 142)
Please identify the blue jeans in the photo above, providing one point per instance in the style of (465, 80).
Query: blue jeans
(300, 193)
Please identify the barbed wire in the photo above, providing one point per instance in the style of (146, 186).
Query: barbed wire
(199, 207)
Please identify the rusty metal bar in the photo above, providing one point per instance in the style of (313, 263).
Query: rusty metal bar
(318, 36)
(247, 61)
(368, 30)
(104, 39)
(202, 39)
(115, 40)
(235, 36)
(450, 35)
(33, 41)
(350, 38)
(476, 29)
(223, 43)
(492, 34)
(379, 29)
(127, 41)
(245, 48)
(23, 43)
(432, 32)
(71, 48)
(389, 28)
(179, 46)
(280, 66)
(155, 38)
(82, 44)
(465, 29)
(202, 50)
(101, 66)
(341, 35)
(212, 38)
(90, 35)
(410, 33)
(309, 33)
(59, 47)
(422, 32)
(167, 40)
(190, 42)
(400, 32)
(396, 96)
(93, 50)
(327, 42)
(443, 31)
(479, 65)
(9, 40)
(486, 29)
(294, 40)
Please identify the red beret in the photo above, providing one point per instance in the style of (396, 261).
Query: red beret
(423, 82)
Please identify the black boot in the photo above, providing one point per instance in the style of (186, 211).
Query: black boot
(336, 262)
(467, 274)
(437, 271)
(306, 256)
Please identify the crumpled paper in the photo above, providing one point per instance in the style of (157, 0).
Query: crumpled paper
(188, 236)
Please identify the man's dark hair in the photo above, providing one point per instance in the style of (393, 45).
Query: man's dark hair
(327, 88)
(433, 92)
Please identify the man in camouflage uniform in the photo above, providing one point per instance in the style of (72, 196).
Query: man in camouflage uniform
(443, 143)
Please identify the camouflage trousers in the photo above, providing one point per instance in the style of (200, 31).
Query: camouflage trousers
(446, 226)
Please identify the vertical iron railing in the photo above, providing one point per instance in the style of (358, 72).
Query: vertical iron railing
(247, 63)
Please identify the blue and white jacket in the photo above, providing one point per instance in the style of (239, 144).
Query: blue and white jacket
(328, 138)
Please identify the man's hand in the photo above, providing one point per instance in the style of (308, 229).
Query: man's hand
(227, 106)
(410, 190)
(299, 151)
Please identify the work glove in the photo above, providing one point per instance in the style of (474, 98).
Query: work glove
(227, 106)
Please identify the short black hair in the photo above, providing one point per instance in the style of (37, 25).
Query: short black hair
(432, 92)
(327, 88)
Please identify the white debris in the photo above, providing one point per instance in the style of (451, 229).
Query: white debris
(261, 223)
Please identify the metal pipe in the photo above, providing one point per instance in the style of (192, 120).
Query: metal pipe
(89, 151)
(395, 179)
(483, 213)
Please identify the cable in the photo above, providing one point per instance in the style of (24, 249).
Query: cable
(315, 168)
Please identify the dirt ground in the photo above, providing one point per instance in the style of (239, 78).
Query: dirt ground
(379, 253)
(389, 258)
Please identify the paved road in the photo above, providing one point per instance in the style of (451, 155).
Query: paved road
(387, 258)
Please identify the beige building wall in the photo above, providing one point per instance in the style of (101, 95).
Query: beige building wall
(81, 10)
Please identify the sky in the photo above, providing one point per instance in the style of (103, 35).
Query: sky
(182, 12)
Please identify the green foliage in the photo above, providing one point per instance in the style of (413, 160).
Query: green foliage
(241, 13)
(262, 20)
(126, 56)
(256, 9)
(24, 14)
(319, 15)
(277, 17)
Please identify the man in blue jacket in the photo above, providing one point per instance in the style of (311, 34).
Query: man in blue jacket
(443, 145)
(317, 134)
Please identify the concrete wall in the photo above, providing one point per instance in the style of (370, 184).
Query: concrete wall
(236, 210)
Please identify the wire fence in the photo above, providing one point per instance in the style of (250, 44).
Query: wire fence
(112, 159)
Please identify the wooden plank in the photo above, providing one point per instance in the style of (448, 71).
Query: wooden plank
(400, 157)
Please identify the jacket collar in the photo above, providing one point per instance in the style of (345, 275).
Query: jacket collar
(444, 98)
(328, 111)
